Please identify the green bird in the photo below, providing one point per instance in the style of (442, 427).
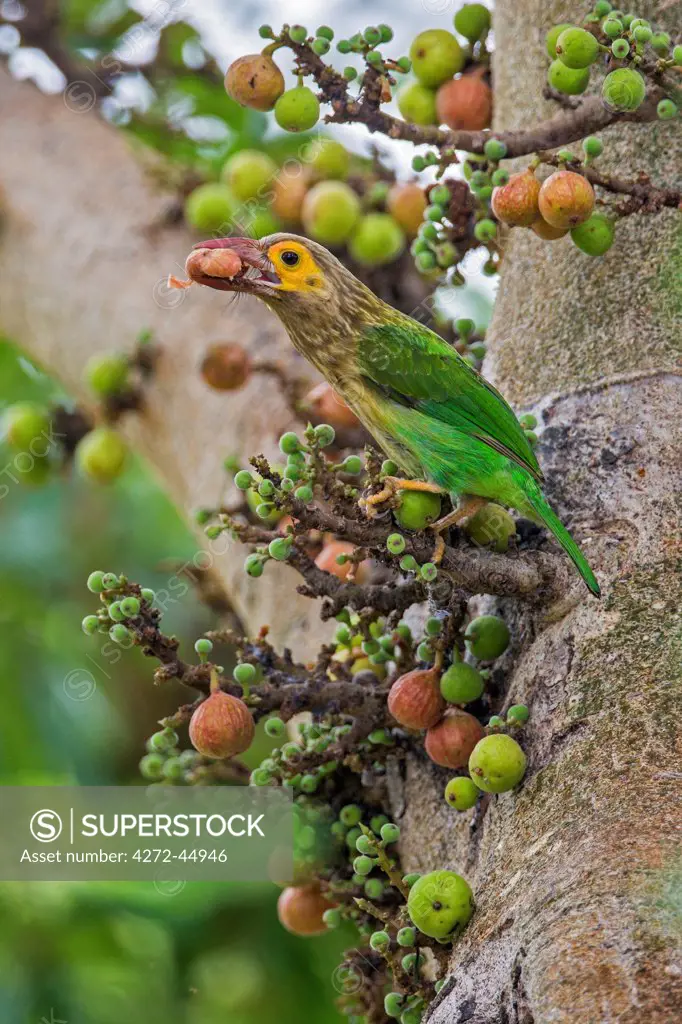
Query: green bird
(447, 428)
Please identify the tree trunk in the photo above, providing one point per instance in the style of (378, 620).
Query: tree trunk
(576, 878)
(84, 258)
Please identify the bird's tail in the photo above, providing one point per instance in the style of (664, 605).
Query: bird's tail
(540, 509)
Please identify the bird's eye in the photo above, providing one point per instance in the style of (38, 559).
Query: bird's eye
(290, 258)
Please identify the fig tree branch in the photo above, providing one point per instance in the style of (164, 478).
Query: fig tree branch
(529, 575)
(570, 125)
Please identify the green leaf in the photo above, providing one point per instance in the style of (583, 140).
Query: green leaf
(97, 18)
(173, 39)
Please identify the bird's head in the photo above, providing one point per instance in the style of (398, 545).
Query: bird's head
(295, 276)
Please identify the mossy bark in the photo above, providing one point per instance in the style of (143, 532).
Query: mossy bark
(578, 875)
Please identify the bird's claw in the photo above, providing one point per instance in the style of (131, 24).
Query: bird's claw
(391, 485)
(387, 492)
(469, 506)
(438, 549)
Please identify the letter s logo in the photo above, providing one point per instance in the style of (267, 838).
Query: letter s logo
(46, 826)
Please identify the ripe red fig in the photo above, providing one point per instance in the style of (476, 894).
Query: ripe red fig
(516, 203)
(566, 199)
(254, 81)
(450, 742)
(329, 407)
(300, 909)
(415, 699)
(465, 103)
(226, 366)
(221, 726)
(327, 560)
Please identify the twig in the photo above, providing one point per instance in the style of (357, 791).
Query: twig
(562, 98)
(568, 126)
(476, 570)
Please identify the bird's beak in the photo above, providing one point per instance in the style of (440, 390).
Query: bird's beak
(255, 277)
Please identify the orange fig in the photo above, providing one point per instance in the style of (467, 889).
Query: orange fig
(254, 81)
(450, 742)
(415, 699)
(329, 407)
(327, 560)
(300, 909)
(289, 189)
(516, 203)
(566, 199)
(222, 726)
(226, 366)
(406, 203)
(545, 231)
(465, 103)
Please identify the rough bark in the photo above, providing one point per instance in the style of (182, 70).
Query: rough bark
(575, 875)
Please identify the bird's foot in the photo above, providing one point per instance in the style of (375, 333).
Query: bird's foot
(438, 549)
(393, 484)
(467, 507)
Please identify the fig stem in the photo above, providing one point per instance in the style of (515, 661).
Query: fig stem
(271, 48)
(371, 908)
(386, 865)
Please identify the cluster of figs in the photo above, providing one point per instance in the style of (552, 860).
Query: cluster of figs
(427, 700)
(563, 203)
(432, 700)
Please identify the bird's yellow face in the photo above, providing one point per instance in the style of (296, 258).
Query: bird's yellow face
(296, 267)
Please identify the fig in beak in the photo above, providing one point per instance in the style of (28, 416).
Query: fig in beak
(204, 262)
(230, 264)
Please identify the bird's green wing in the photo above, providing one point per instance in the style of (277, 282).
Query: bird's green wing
(415, 367)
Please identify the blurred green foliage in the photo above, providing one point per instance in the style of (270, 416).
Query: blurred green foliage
(75, 710)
